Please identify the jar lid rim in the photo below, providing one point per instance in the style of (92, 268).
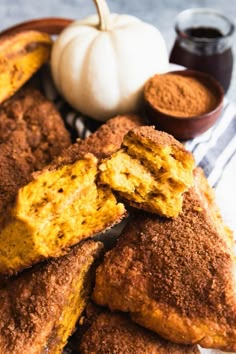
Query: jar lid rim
(199, 10)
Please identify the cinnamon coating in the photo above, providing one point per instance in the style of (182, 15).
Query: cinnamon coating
(40, 307)
(176, 276)
(16, 161)
(32, 133)
(109, 136)
(105, 332)
(29, 112)
(104, 141)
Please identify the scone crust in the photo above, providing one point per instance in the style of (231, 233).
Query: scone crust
(32, 133)
(33, 302)
(113, 332)
(104, 141)
(175, 276)
(33, 114)
(147, 133)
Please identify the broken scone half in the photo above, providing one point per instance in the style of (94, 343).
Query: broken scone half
(151, 171)
(59, 208)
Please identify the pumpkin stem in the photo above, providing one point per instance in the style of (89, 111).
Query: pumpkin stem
(104, 15)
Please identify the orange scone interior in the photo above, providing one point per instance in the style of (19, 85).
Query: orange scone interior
(55, 211)
(151, 171)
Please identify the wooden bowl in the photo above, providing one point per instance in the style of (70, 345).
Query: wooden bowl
(184, 128)
(50, 25)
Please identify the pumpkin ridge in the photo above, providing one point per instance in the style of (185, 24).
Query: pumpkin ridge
(87, 49)
(84, 63)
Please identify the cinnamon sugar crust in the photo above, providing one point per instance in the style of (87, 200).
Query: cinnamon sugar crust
(40, 306)
(31, 113)
(105, 332)
(176, 276)
(145, 133)
(16, 161)
(109, 136)
(31, 134)
(104, 141)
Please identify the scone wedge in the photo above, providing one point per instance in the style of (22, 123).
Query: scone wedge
(106, 332)
(40, 307)
(177, 276)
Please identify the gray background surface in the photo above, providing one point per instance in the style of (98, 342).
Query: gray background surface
(161, 13)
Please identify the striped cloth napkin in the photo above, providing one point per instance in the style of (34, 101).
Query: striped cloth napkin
(215, 152)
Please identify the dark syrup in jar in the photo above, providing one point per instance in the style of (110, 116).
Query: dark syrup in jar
(219, 64)
(203, 32)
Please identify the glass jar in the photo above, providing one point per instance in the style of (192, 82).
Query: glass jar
(204, 42)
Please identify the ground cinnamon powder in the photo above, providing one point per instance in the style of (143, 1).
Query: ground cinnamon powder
(179, 95)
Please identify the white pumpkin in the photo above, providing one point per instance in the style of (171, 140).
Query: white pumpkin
(100, 64)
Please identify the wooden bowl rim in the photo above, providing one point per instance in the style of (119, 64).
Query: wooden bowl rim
(50, 25)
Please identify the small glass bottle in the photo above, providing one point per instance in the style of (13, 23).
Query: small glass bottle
(204, 42)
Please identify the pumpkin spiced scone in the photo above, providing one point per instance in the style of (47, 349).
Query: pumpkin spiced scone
(105, 332)
(56, 210)
(21, 55)
(40, 307)
(151, 171)
(176, 276)
(32, 133)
